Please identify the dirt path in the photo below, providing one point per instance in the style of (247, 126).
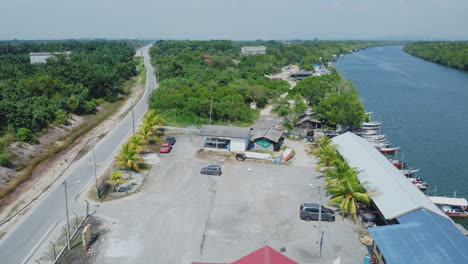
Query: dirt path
(50, 170)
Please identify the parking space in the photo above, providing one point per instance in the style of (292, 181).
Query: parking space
(182, 216)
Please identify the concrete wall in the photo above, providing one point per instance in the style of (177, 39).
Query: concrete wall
(239, 144)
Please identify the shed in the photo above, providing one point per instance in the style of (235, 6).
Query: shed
(421, 237)
(268, 138)
(41, 57)
(229, 138)
(308, 123)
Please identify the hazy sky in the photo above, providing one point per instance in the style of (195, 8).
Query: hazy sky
(234, 19)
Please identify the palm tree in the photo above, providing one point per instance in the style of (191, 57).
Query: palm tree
(348, 192)
(146, 133)
(137, 142)
(327, 157)
(116, 179)
(338, 172)
(153, 119)
(129, 157)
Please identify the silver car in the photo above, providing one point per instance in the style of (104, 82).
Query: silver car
(310, 211)
(212, 170)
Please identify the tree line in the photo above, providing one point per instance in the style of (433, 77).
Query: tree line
(222, 84)
(453, 54)
(33, 96)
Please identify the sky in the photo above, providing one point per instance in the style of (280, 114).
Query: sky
(234, 19)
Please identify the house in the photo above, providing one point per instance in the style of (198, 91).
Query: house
(264, 255)
(253, 105)
(207, 58)
(270, 139)
(299, 75)
(41, 57)
(253, 50)
(308, 123)
(230, 138)
(416, 230)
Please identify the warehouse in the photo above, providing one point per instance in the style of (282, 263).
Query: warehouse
(228, 138)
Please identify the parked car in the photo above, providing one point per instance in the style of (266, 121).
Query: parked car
(165, 148)
(171, 140)
(310, 211)
(212, 170)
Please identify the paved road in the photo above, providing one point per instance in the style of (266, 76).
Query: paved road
(17, 246)
(181, 216)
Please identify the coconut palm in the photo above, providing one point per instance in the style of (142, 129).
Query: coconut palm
(146, 133)
(327, 157)
(340, 169)
(348, 192)
(137, 142)
(129, 157)
(116, 179)
(153, 119)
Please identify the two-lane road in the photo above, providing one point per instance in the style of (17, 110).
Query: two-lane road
(18, 245)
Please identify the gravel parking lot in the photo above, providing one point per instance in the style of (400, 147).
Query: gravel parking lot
(181, 216)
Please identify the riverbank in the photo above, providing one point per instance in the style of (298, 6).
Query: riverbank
(449, 53)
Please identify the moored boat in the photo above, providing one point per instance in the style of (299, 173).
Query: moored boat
(397, 163)
(455, 207)
(418, 182)
(388, 150)
(408, 172)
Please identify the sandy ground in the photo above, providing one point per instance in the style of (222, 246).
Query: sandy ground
(47, 172)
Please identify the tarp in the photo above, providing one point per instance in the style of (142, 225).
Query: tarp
(264, 143)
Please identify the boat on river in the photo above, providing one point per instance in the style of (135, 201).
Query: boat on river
(374, 137)
(454, 207)
(408, 172)
(371, 125)
(397, 163)
(388, 150)
(419, 183)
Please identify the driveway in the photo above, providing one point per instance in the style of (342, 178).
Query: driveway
(181, 216)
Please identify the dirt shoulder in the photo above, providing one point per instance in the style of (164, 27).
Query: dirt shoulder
(49, 171)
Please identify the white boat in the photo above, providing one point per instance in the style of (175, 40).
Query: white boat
(418, 182)
(374, 137)
(409, 171)
(368, 132)
(371, 125)
(287, 154)
(456, 207)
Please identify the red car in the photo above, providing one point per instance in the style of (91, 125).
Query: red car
(165, 148)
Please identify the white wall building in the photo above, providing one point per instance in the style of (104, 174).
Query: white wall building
(41, 57)
(230, 138)
(253, 50)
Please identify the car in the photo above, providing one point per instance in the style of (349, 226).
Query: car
(171, 140)
(165, 148)
(211, 170)
(310, 211)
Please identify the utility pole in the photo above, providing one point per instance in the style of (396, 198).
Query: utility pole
(133, 120)
(94, 168)
(66, 210)
(211, 108)
(320, 221)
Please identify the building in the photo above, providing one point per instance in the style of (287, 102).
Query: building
(270, 139)
(41, 57)
(264, 255)
(416, 230)
(253, 50)
(299, 75)
(308, 123)
(230, 138)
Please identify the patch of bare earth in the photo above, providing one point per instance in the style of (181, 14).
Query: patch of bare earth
(48, 171)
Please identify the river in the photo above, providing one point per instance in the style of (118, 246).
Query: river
(424, 109)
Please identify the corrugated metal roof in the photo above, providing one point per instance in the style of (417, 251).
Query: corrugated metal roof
(268, 133)
(225, 131)
(308, 118)
(396, 195)
(422, 237)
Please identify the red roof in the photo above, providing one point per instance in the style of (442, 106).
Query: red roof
(264, 255)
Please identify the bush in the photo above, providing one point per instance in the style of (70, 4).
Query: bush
(61, 117)
(5, 159)
(25, 135)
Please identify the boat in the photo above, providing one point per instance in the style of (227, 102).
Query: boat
(286, 154)
(408, 172)
(397, 163)
(454, 207)
(368, 132)
(418, 182)
(388, 150)
(380, 144)
(371, 125)
(374, 137)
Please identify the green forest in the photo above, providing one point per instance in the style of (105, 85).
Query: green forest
(33, 96)
(193, 84)
(453, 54)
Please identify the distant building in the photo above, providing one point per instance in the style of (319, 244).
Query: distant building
(41, 57)
(228, 138)
(207, 58)
(253, 50)
(301, 75)
(268, 138)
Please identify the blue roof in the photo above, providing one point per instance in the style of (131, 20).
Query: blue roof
(421, 237)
